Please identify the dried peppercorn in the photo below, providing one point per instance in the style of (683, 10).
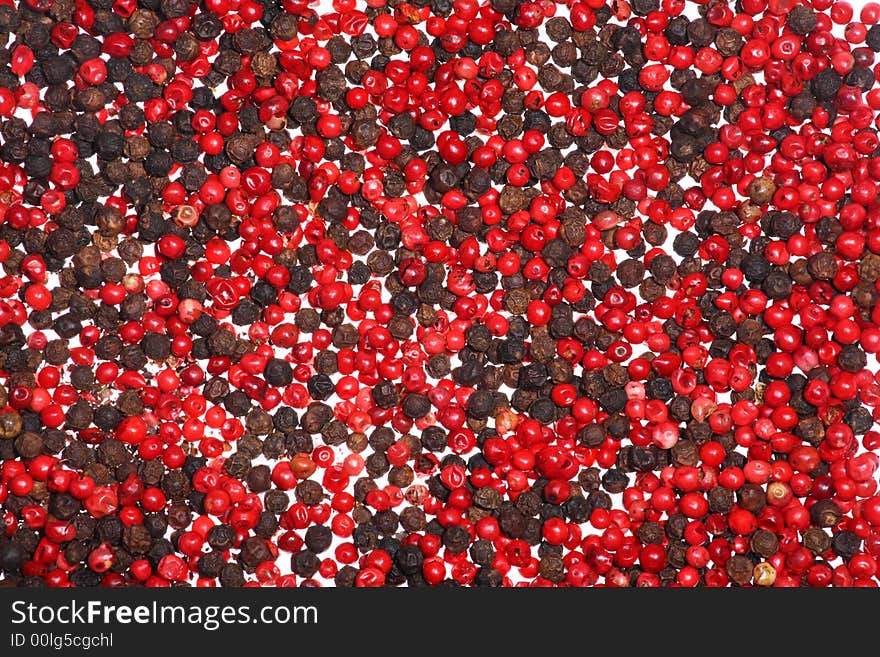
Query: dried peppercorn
(541, 266)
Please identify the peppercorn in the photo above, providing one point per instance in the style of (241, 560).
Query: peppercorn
(801, 20)
(816, 540)
(846, 544)
(822, 266)
(852, 358)
(825, 513)
(650, 532)
(739, 568)
(504, 274)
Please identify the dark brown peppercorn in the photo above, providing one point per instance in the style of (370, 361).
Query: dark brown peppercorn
(752, 498)
(650, 532)
(764, 543)
(721, 500)
(816, 540)
(309, 492)
(740, 569)
(801, 20)
(552, 568)
(825, 513)
(822, 266)
(254, 551)
(232, 575)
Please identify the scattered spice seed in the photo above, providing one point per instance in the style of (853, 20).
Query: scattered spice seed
(485, 292)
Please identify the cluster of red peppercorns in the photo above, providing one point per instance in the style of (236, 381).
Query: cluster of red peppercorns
(459, 292)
